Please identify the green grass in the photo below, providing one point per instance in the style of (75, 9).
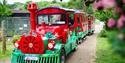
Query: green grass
(8, 52)
(105, 53)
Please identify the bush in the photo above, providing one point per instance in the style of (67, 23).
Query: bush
(105, 52)
(15, 38)
(103, 33)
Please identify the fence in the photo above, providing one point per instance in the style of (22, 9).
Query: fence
(16, 25)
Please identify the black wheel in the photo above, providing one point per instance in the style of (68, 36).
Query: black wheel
(84, 38)
(74, 49)
(77, 42)
(62, 56)
(89, 33)
(81, 40)
(92, 32)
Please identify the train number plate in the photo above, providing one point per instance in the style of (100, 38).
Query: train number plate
(31, 58)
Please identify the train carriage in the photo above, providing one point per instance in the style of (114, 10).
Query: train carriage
(90, 24)
(54, 34)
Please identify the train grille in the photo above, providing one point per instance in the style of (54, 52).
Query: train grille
(55, 59)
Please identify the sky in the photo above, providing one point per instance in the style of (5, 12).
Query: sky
(23, 1)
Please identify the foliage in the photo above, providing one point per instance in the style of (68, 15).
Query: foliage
(15, 38)
(89, 9)
(105, 54)
(4, 9)
(76, 4)
(103, 15)
(8, 51)
(115, 21)
(103, 33)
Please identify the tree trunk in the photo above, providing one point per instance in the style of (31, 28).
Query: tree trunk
(3, 39)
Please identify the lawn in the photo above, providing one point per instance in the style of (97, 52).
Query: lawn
(8, 52)
(105, 53)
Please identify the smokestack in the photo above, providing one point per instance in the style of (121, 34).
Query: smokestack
(32, 9)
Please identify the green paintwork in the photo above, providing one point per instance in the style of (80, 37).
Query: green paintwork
(50, 56)
(19, 57)
(71, 43)
(81, 34)
(90, 31)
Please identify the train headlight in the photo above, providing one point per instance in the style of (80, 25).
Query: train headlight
(16, 45)
(51, 44)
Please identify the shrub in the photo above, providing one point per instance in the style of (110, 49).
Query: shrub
(15, 38)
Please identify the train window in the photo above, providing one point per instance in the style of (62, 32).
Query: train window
(71, 19)
(79, 19)
(83, 18)
(52, 19)
(43, 18)
(89, 17)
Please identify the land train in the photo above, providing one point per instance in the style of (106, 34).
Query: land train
(55, 33)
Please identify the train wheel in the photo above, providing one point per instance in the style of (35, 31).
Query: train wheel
(62, 56)
(84, 38)
(75, 48)
(92, 32)
(79, 41)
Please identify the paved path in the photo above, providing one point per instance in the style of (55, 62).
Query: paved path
(85, 52)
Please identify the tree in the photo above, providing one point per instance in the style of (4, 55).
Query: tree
(4, 12)
(76, 4)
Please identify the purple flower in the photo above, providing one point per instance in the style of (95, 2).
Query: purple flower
(111, 23)
(104, 4)
(118, 9)
(121, 21)
(123, 1)
(108, 3)
(98, 5)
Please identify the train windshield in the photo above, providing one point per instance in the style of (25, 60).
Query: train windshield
(53, 19)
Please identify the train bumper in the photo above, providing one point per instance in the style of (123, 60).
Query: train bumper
(18, 57)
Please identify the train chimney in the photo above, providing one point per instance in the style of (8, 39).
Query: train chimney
(32, 9)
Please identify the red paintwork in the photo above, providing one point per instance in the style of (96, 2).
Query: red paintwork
(52, 42)
(32, 9)
(60, 31)
(31, 45)
(85, 23)
(90, 22)
(51, 11)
